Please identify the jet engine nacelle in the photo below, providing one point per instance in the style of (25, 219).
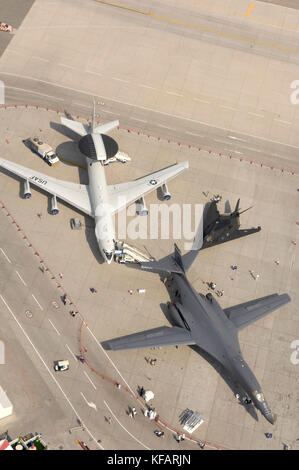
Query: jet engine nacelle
(174, 310)
(141, 208)
(53, 206)
(165, 193)
(27, 192)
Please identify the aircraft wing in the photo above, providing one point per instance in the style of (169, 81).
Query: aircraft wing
(211, 214)
(77, 195)
(121, 195)
(162, 336)
(225, 235)
(244, 314)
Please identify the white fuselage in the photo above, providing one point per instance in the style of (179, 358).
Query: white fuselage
(104, 223)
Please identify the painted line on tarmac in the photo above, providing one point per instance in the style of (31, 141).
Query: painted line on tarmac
(37, 302)
(71, 352)
(250, 9)
(200, 28)
(67, 66)
(47, 368)
(34, 92)
(255, 114)
(139, 120)
(5, 255)
(91, 404)
(110, 360)
(20, 277)
(146, 109)
(120, 79)
(135, 438)
(39, 58)
(90, 380)
(54, 327)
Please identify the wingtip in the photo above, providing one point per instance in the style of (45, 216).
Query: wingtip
(106, 345)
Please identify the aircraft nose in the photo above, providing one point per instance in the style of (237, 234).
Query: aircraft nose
(267, 413)
(269, 417)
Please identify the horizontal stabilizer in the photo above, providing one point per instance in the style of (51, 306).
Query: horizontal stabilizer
(104, 128)
(162, 336)
(165, 265)
(247, 313)
(75, 126)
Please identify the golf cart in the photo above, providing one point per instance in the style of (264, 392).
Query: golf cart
(61, 365)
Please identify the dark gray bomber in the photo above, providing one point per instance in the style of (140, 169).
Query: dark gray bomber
(199, 320)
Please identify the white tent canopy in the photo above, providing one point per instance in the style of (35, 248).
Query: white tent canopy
(148, 395)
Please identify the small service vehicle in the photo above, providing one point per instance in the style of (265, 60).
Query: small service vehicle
(6, 27)
(83, 445)
(45, 151)
(61, 365)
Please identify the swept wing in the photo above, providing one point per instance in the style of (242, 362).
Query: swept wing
(244, 314)
(76, 195)
(162, 336)
(121, 195)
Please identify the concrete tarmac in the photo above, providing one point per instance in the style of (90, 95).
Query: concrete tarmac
(210, 76)
(217, 78)
(180, 377)
(13, 13)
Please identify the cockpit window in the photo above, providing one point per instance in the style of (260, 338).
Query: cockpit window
(259, 396)
(108, 254)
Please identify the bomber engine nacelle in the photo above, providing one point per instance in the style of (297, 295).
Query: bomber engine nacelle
(141, 208)
(26, 191)
(175, 314)
(53, 206)
(165, 193)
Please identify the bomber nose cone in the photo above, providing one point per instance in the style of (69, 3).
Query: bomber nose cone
(269, 417)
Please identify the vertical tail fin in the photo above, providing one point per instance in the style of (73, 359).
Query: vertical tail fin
(237, 207)
(178, 257)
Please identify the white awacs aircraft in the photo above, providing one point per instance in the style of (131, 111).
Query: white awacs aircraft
(97, 199)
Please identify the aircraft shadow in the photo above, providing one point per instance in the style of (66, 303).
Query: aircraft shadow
(58, 127)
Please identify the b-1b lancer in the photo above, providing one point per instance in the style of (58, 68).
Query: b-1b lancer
(199, 320)
(219, 228)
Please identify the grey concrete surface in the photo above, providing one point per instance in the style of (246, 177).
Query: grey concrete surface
(13, 13)
(181, 377)
(226, 88)
(284, 3)
(207, 74)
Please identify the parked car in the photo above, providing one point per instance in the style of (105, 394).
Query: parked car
(61, 365)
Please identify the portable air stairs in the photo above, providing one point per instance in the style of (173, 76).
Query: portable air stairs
(125, 253)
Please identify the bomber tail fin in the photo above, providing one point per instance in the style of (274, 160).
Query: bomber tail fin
(169, 264)
(176, 262)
